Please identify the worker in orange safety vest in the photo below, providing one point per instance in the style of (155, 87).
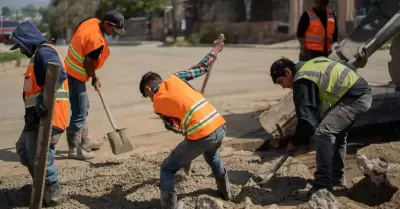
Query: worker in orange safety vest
(33, 44)
(317, 30)
(87, 53)
(185, 110)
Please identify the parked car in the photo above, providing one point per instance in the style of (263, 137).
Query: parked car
(6, 29)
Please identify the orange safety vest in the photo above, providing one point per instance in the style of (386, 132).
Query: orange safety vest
(177, 99)
(32, 91)
(86, 38)
(315, 38)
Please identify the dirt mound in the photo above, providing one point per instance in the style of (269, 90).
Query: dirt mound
(380, 163)
(134, 183)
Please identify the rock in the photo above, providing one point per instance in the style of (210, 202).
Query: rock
(355, 180)
(274, 206)
(208, 202)
(247, 203)
(323, 199)
(379, 162)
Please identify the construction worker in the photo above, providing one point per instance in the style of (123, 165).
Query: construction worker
(185, 110)
(87, 53)
(317, 30)
(329, 97)
(34, 45)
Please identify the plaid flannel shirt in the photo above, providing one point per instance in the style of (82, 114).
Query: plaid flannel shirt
(196, 71)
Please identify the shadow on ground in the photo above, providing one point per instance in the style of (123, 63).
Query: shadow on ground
(116, 198)
(9, 155)
(245, 125)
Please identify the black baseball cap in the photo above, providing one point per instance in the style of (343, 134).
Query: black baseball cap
(117, 19)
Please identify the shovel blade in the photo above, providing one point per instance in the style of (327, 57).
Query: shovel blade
(119, 141)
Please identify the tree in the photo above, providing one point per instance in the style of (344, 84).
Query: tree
(6, 11)
(67, 14)
(130, 8)
(29, 11)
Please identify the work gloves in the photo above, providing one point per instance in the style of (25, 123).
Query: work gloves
(40, 109)
(361, 57)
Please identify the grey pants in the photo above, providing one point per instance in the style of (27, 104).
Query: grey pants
(330, 137)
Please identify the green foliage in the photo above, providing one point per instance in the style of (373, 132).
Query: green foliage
(130, 8)
(10, 56)
(6, 11)
(29, 11)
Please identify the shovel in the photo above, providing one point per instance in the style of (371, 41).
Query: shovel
(119, 138)
(221, 37)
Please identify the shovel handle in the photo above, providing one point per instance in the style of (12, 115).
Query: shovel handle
(107, 110)
(203, 88)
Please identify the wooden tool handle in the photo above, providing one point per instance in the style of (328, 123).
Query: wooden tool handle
(44, 136)
(107, 110)
(203, 88)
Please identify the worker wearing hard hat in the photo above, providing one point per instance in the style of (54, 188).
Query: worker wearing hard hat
(87, 53)
(317, 30)
(328, 97)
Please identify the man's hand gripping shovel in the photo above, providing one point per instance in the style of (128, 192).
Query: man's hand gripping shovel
(220, 40)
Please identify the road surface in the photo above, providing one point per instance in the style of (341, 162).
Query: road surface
(240, 87)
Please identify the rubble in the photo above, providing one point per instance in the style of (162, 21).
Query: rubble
(134, 183)
(321, 199)
(208, 202)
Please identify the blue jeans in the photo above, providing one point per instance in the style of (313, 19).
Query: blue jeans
(188, 150)
(331, 135)
(26, 149)
(79, 101)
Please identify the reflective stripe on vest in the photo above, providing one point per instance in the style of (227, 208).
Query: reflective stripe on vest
(315, 36)
(195, 116)
(87, 37)
(77, 63)
(207, 119)
(333, 79)
(62, 93)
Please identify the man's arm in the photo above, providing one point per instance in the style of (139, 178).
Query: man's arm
(200, 69)
(89, 64)
(302, 27)
(306, 100)
(44, 56)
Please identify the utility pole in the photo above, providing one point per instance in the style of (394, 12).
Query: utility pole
(66, 20)
(174, 14)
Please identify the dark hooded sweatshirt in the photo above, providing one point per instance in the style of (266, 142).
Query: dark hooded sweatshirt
(28, 37)
(307, 103)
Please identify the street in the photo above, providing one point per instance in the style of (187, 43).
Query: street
(240, 87)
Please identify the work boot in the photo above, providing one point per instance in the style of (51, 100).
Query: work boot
(89, 143)
(52, 195)
(75, 151)
(168, 200)
(223, 186)
(339, 181)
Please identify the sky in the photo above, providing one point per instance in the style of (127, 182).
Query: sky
(14, 4)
